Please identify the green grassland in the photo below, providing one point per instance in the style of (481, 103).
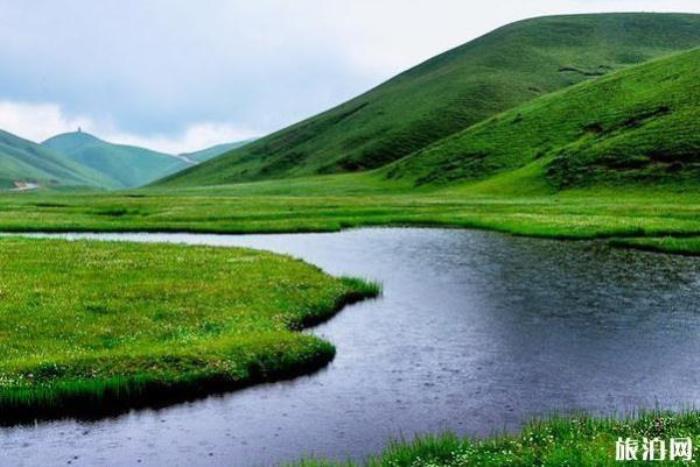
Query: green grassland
(576, 441)
(451, 92)
(89, 327)
(573, 214)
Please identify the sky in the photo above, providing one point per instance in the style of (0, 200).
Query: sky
(178, 76)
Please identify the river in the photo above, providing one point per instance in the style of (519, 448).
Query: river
(476, 333)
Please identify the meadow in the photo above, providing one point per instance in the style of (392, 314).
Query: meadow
(90, 328)
(125, 325)
(348, 201)
(174, 296)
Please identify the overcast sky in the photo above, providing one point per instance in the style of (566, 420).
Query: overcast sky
(181, 75)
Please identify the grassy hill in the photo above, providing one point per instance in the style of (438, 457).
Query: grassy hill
(24, 161)
(640, 125)
(451, 92)
(125, 166)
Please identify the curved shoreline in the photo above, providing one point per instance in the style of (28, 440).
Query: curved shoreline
(57, 388)
(668, 242)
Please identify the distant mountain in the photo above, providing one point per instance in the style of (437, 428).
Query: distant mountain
(637, 126)
(125, 166)
(214, 151)
(451, 92)
(24, 164)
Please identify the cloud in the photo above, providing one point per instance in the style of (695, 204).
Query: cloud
(382, 38)
(195, 137)
(40, 121)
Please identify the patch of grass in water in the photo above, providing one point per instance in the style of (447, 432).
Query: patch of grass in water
(94, 328)
(570, 441)
(689, 246)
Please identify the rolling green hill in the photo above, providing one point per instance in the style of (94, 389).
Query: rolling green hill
(27, 162)
(637, 126)
(451, 92)
(125, 166)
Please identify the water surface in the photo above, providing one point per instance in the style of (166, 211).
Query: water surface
(476, 333)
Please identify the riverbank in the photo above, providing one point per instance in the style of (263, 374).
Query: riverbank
(94, 328)
(576, 441)
(475, 333)
(268, 208)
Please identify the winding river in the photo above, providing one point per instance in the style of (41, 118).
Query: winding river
(476, 333)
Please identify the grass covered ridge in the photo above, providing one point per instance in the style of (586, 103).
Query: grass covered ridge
(88, 327)
(636, 125)
(577, 441)
(122, 165)
(24, 161)
(452, 92)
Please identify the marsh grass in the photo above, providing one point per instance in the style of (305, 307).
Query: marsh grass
(601, 213)
(93, 328)
(560, 441)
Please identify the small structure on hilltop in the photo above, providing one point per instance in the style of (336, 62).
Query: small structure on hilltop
(25, 186)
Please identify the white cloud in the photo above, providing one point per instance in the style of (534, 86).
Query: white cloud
(195, 137)
(40, 121)
(140, 71)
(382, 38)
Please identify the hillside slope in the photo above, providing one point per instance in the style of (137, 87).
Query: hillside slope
(23, 161)
(126, 166)
(453, 91)
(212, 152)
(640, 125)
